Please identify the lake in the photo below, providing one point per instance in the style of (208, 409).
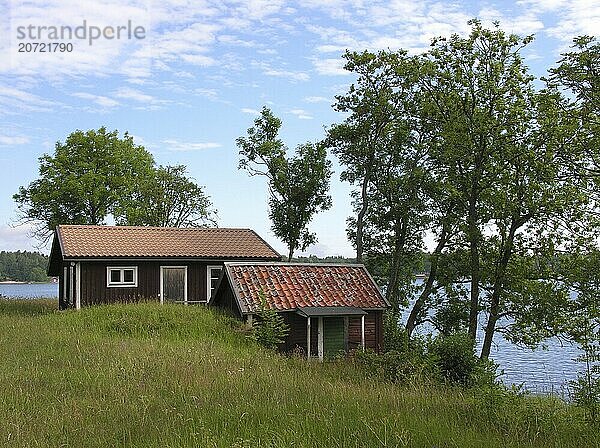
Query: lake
(540, 371)
(29, 290)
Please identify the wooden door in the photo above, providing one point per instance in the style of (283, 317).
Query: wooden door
(173, 281)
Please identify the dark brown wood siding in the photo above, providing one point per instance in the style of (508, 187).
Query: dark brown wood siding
(225, 299)
(373, 331)
(94, 289)
(296, 338)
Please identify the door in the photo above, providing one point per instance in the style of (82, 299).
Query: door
(333, 338)
(173, 284)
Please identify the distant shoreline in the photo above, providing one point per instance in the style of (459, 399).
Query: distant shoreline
(13, 282)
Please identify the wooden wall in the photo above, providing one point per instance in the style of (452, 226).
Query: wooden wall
(296, 339)
(95, 291)
(373, 331)
(224, 299)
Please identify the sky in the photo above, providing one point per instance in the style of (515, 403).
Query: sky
(195, 74)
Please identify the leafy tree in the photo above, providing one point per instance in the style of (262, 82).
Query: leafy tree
(83, 181)
(166, 198)
(298, 185)
(467, 151)
(359, 140)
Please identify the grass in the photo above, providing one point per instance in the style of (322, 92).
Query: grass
(172, 376)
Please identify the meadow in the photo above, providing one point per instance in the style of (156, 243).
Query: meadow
(146, 375)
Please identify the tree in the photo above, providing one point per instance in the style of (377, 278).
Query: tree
(298, 185)
(357, 142)
(166, 198)
(398, 200)
(82, 183)
(468, 151)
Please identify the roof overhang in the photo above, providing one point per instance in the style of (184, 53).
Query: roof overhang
(322, 311)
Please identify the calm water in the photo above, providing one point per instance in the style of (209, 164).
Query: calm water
(540, 371)
(547, 369)
(36, 290)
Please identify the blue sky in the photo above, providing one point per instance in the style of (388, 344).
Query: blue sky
(196, 81)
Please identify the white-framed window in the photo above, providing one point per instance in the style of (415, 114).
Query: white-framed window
(122, 276)
(213, 273)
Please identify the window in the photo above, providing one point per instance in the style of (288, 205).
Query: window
(121, 276)
(213, 273)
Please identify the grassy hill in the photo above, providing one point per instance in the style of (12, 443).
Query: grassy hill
(145, 375)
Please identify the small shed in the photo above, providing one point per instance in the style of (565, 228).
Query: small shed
(329, 308)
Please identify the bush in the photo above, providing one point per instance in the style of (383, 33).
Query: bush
(269, 329)
(393, 366)
(455, 360)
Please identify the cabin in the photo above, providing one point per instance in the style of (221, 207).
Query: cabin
(330, 309)
(105, 264)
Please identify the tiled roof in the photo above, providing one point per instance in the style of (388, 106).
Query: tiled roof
(122, 241)
(289, 286)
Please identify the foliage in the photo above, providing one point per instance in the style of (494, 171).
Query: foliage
(460, 145)
(83, 181)
(455, 360)
(445, 360)
(269, 329)
(298, 185)
(97, 174)
(23, 266)
(167, 198)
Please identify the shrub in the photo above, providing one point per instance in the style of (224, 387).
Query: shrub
(455, 360)
(269, 329)
(586, 388)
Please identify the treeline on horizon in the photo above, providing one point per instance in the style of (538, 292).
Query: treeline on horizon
(23, 266)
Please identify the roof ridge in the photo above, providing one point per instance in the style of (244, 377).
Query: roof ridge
(286, 263)
(93, 226)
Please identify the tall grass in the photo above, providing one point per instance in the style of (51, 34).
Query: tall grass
(147, 375)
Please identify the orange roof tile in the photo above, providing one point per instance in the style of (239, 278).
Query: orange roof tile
(289, 286)
(123, 241)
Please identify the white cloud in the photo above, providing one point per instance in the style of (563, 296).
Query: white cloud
(294, 76)
(250, 111)
(211, 94)
(301, 114)
(18, 238)
(10, 140)
(317, 99)
(14, 100)
(176, 145)
(100, 100)
(330, 67)
(576, 18)
(135, 95)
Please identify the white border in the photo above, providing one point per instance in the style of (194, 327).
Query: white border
(109, 284)
(185, 289)
(209, 268)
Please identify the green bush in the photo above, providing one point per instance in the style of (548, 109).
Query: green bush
(454, 358)
(269, 329)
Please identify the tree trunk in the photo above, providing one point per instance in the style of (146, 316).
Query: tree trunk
(364, 198)
(474, 267)
(499, 276)
(417, 308)
(291, 253)
(399, 246)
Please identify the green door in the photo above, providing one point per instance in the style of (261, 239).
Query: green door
(333, 336)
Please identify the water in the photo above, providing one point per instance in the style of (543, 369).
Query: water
(545, 370)
(29, 290)
(540, 371)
